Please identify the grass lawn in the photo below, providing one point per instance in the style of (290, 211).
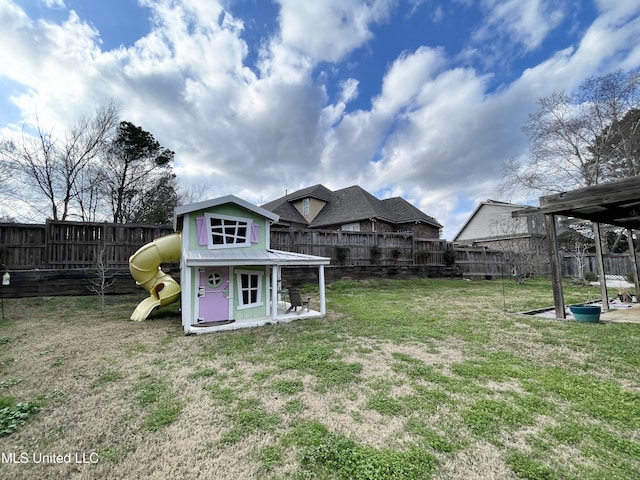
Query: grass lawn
(424, 379)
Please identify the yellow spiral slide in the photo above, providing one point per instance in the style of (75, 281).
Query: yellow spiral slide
(144, 266)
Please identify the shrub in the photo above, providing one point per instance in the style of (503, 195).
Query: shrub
(449, 257)
(376, 254)
(342, 253)
(590, 277)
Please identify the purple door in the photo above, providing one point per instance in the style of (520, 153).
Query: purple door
(213, 294)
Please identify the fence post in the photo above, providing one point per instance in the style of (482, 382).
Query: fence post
(413, 249)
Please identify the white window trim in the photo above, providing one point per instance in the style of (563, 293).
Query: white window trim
(211, 245)
(259, 302)
(350, 227)
(305, 206)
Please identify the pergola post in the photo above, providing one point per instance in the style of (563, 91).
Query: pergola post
(634, 262)
(556, 265)
(601, 276)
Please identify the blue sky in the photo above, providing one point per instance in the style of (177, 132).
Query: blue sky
(422, 99)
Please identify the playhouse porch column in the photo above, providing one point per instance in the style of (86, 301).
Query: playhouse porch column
(274, 291)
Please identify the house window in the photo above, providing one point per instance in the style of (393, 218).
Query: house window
(350, 227)
(249, 288)
(305, 206)
(225, 231)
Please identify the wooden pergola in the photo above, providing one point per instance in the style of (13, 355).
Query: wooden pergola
(614, 203)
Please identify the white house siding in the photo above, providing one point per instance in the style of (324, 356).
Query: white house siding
(492, 220)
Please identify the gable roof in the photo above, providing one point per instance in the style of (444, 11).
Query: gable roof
(284, 208)
(348, 205)
(509, 207)
(317, 191)
(182, 210)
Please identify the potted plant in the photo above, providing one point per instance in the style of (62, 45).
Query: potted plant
(586, 313)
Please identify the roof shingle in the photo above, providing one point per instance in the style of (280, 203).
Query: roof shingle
(347, 205)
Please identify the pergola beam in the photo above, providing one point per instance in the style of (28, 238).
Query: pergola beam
(614, 203)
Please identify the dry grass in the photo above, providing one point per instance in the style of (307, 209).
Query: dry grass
(432, 367)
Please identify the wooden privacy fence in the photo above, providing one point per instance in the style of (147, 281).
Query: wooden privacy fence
(480, 262)
(74, 245)
(361, 248)
(71, 245)
(614, 264)
(22, 247)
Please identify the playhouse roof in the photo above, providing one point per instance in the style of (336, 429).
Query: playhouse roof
(182, 210)
(198, 258)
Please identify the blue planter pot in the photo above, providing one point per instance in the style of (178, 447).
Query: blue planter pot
(586, 313)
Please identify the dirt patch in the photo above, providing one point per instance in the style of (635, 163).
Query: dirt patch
(483, 461)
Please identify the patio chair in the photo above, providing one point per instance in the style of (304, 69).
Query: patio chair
(296, 301)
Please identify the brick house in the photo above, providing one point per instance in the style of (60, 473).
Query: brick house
(351, 209)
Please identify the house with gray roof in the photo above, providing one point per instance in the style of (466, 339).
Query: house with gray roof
(491, 225)
(351, 209)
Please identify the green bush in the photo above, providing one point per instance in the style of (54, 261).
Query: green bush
(342, 253)
(590, 277)
(376, 254)
(449, 257)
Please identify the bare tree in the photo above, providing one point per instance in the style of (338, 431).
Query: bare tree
(578, 240)
(88, 193)
(33, 160)
(53, 167)
(522, 243)
(196, 191)
(576, 137)
(102, 280)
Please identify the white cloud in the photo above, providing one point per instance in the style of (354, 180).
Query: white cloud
(329, 30)
(349, 90)
(527, 23)
(433, 133)
(54, 3)
(406, 78)
(49, 60)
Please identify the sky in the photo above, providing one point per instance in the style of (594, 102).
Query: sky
(423, 99)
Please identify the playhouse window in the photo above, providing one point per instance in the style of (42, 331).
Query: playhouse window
(249, 288)
(225, 231)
